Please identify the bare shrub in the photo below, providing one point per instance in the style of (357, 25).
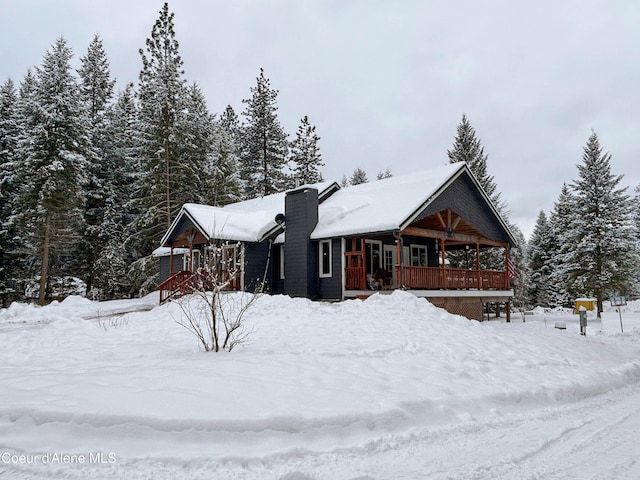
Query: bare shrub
(213, 311)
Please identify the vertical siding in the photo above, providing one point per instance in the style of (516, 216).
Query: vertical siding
(301, 217)
(256, 256)
(330, 288)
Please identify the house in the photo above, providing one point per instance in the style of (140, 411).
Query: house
(330, 243)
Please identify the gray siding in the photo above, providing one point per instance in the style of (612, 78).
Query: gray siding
(330, 288)
(301, 217)
(255, 263)
(164, 266)
(464, 199)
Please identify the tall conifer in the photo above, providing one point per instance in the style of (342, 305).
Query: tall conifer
(264, 142)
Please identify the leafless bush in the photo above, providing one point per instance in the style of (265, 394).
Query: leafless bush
(213, 311)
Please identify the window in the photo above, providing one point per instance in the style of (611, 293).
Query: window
(418, 256)
(374, 255)
(325, 258)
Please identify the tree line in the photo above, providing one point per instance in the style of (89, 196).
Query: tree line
(90, 178)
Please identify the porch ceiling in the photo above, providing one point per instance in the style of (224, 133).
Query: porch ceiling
(446, 220)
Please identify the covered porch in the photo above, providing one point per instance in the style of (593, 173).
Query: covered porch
(438, 252)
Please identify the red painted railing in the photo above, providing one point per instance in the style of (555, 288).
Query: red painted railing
(435, 278)
(355, 278)
(184, 282)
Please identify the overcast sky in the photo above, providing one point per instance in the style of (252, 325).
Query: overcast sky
(386, 83)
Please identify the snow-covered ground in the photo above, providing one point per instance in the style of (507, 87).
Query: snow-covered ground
(387, 388)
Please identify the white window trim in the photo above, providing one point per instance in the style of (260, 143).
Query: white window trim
(321, 263)
(421, 247)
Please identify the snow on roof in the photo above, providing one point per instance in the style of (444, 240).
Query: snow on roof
(227, 223)
(246, 221)
(380, 206)
(166, 251)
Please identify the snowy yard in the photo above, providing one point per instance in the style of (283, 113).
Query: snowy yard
(388, 388)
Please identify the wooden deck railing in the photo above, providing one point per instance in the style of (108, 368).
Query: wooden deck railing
(184, 282)
(355, 278)
(435, 278)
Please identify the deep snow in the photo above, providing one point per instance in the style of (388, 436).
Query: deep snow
(387, 388)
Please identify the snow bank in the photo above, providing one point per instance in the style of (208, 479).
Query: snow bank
(123, 376)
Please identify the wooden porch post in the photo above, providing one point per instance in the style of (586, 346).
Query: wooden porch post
(444, 272)
(400, 266)
(363, 256)
(171, 261)
(478, 266)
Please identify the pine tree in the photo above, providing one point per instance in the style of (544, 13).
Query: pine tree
(10, 259)
(344, 183)
(96, 91)
(603, 258)
(56, 147)
(264, 142)
(521, 282)
(305, 154)
(386, 174)
(358, 176)
(193, 181)
(161, 95)
(468, 148)
(557, 248)
(540, 263)
(227, 183)
(119, 247)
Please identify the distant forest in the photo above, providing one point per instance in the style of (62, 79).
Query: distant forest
(90, 179)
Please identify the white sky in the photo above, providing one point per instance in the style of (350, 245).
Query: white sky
(386, 83)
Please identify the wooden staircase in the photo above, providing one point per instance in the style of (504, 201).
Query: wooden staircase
(185, 282)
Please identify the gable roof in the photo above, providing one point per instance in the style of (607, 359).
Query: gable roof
(386, 205)
(391, 204)
(246, 221)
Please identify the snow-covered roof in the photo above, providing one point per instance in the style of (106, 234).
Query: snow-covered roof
(380, 206)
(247, 221)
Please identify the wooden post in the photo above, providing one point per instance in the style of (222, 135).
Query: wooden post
(171, 261)
(478, 266)
(399, 266)
(444, 273)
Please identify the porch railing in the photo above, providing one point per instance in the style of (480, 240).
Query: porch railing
(184, 282)
(355, 278)
(436, 278)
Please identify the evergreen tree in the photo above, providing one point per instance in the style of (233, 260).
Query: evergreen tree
(264, 142)
(386, 174)
(305, 154)
(10, 259)
(358, 176)
(56, 147)
(521, 281)
(227, 183)
(468, 148)
(541, 263)
(344, 183)
(557, 248)
(193, 181)
(603, 258)
(119, 248)
(161, 95)
(96, 91)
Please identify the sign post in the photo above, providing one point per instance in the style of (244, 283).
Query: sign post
(618, 302)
